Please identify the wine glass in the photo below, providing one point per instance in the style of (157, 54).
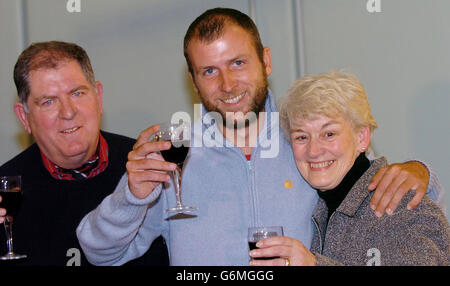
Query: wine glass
(256, 234)
(180, 137)
(11, 192)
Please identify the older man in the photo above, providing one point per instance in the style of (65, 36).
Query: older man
(73, 165)
(234, 185)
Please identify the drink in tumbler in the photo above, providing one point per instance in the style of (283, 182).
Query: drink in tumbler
(256, 234)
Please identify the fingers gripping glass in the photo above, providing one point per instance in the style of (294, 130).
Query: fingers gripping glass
(256, 234)
(180, 137)
(11, 193)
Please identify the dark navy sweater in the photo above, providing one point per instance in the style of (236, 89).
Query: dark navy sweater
(51, 210)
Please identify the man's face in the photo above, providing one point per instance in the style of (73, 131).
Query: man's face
(228, 75)
(64, 114)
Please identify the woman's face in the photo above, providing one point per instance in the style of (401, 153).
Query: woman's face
(325, 149)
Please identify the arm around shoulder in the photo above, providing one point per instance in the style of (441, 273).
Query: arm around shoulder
(434, 189)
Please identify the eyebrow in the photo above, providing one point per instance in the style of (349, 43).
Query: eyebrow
(78, 88)
(47, 96)
(331, 122)
(243, 56)
(239, 57)
(38, 99)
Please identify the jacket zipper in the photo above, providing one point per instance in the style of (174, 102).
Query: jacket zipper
(252, 193)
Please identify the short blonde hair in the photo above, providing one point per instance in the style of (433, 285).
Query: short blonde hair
(330, 94)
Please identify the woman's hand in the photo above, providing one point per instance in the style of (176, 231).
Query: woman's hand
(290, 251)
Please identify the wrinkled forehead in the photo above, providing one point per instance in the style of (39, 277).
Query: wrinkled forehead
(63, 78)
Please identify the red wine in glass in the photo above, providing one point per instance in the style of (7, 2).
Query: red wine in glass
(256, 234)
(177, 152)
(179, 135)
(11, 201)
(11, 193)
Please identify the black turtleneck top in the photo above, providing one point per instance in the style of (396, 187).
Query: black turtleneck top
(334, 197)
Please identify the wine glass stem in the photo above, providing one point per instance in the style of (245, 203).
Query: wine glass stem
(177, 179)
(8, 231)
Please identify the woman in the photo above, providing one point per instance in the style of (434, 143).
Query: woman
(329, 123)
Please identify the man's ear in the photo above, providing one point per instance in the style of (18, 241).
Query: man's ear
(99, 91)
(19, 110)
(364, 139)
(267, 59)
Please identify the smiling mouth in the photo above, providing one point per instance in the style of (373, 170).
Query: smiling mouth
(321, 165)
(70, 130)
(235, 99)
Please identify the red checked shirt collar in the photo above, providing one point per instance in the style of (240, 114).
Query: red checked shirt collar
(93, 167)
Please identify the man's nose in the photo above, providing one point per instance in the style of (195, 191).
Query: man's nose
(228, 81)
(68, 108)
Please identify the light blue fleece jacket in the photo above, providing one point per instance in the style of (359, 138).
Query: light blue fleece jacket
(230, 192)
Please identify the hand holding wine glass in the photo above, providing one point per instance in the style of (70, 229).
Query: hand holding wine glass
(275, 249)
(256, 234)
(11, 192)
(2, 212)
(179, 135)
(146, 167)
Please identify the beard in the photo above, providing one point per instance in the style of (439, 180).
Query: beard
(256, 106)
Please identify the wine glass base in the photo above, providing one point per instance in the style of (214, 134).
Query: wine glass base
(12, 256)
(181, 209)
